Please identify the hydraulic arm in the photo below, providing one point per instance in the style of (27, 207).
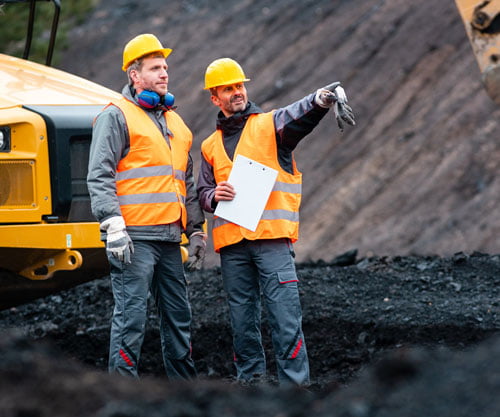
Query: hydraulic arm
(482, 23)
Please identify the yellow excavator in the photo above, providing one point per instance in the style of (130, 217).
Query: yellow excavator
(482, 24)
(45, 131)
(46, 227)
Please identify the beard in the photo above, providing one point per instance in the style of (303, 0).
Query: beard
(237, 104)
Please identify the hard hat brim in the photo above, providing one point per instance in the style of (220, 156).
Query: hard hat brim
(227, 83)
(165, 51)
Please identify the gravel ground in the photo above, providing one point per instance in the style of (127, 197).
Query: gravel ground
(386, 337)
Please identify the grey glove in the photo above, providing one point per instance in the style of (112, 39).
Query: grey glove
(118, 242)
(343, 113)
(196, 251)
(334, 95)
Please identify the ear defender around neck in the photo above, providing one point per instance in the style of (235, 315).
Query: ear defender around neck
(168, 101)
(150, 100)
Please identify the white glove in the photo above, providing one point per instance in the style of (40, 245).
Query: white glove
(196, 251)
(118, 242)
(340, 94)
(326, 97)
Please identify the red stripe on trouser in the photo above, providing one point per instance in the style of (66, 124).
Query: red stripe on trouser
(126, 358)
(296, 351)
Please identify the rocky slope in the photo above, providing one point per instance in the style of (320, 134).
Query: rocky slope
(418, 172)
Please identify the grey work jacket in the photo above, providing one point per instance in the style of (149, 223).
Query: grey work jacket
(111, 143)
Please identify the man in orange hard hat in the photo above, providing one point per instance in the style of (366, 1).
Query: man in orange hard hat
(261, 261)
(143, 194)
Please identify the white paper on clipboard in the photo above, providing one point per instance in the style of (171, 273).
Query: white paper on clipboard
(253, 183)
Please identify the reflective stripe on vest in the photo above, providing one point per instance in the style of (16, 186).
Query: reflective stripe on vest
(150, 179)
(281, 213)
(149, 172)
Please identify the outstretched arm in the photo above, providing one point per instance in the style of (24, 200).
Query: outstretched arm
(297, 120)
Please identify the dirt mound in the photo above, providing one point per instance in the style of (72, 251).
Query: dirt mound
(417, 175)
(396, 336)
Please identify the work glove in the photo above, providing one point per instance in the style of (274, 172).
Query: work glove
(118, 242)
(333, 95)
(196, 251)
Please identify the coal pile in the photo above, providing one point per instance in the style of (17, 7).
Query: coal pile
(386, 337)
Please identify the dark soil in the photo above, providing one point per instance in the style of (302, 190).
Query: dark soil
(400, 336)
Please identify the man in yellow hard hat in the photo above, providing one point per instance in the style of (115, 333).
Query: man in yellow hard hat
(261, 260)
(143, 194)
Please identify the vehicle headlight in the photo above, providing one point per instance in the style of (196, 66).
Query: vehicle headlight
(5, 139)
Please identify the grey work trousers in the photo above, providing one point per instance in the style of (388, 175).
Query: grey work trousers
(157, 268)
(267, 266)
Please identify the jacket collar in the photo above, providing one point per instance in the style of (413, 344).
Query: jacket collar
(130, 94)
(232, 124)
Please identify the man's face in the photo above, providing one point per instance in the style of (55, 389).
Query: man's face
(231, 98)
(153, 76)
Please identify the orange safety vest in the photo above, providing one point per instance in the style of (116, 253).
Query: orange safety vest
(150, 180)
(281, 213)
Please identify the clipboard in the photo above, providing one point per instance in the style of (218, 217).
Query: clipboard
(253, 183)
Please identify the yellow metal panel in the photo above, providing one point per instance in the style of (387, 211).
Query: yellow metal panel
(16, 186)
(24, 82)
(65, 260)
(51, 236)
(184, 254)
(24, 171)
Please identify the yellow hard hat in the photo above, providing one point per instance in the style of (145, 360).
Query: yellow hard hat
(142, 45)
(224, 71)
